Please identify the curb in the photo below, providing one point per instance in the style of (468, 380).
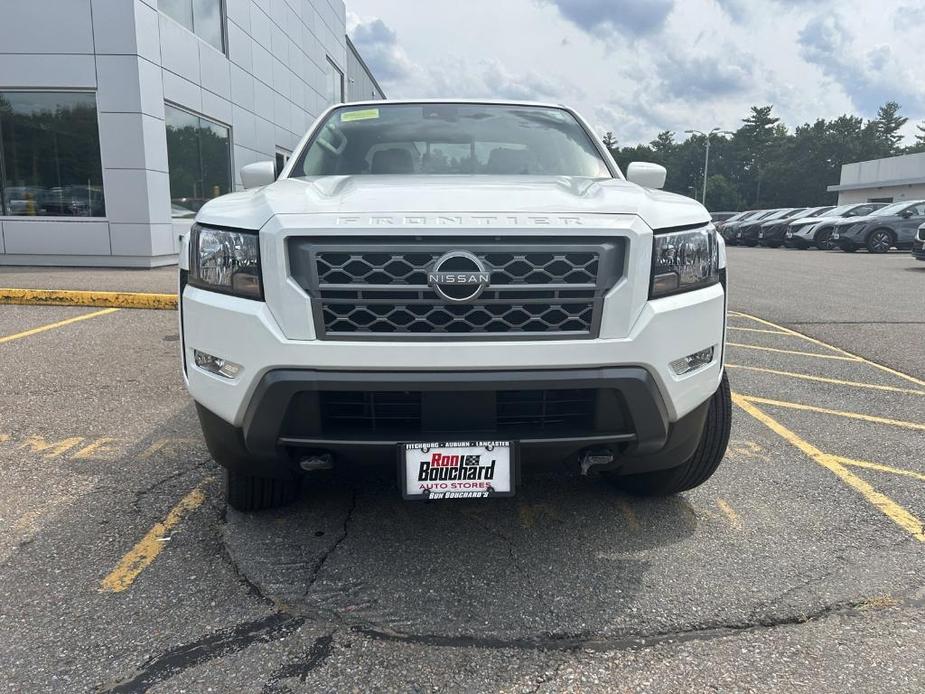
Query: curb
(70, 297)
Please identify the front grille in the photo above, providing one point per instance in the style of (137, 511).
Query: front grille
(375, 288)
(447, 319)
(510, 413)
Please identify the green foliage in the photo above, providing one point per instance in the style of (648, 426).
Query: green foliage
(764, 164)
(889, 123)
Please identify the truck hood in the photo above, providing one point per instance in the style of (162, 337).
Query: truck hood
(451, 194)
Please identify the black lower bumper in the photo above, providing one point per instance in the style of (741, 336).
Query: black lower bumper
(550, 414)
(918, 250)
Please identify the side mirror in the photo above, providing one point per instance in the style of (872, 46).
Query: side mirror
(905, 214)
(646, 174)
(260, 173)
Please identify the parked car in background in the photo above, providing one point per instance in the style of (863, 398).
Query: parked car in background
(918, 245)
(731, 226)
(772, 234)
(722, 216)
(892, 226)
(806, 232)
(747, 234)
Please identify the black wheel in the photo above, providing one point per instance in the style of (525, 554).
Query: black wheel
(249, 493)
(773, 244)
(879, 241)
(824, 240)
(701, 465)
(751, 244)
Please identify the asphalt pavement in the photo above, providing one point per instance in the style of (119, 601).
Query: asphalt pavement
(797, 567)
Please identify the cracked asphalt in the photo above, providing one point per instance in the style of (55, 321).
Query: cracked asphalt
(797, 567)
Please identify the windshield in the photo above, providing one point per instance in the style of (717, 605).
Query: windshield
(451, 139)
(776, 215)
(840, 211)
(819, 211)
(895, 208)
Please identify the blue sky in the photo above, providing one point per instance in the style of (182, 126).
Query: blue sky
(640, 66)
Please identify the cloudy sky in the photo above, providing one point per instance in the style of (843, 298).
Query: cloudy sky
(640, 66)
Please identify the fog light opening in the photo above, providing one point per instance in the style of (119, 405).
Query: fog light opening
(216, 365)
(692, 362)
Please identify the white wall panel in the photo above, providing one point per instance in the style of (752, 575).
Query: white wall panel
(215, 71)
(56, 236)
(46, 26)
(30, 70)
(179, 49)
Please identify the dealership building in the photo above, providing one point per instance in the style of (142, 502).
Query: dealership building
(882, 180)
(120, 118)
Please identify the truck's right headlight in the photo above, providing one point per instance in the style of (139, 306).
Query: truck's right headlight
(224, 260)
(683, 261)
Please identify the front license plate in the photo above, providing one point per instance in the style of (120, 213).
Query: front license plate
(760, 234)
(456, 470)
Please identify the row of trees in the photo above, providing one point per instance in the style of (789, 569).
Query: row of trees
(764, 164)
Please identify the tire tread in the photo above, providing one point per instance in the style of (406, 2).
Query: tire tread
(701, 465)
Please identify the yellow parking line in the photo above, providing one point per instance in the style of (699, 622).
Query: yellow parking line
(757, 330)
(52, 326)
(147, 549)
(730, 513)
(76, 297)
(899, 515)
(880, 468)
(823, 379)
(876, 365)
(790, 351)
(838, 413)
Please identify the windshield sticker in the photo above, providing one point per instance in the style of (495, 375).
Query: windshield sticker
(365, 114)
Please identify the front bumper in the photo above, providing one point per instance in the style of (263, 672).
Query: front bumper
(849, 235)
(291, 415)
(918, 249)
(773, 235)
(247, 333)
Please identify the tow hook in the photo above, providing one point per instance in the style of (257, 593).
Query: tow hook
(590, 458)
(314, 463)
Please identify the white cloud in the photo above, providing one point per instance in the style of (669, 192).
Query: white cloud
(605, 18)
(870, 77)
(640, 66)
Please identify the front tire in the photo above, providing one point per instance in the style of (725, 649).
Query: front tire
(701, 465)
(824, 240)
(879, 241)
(250, 493)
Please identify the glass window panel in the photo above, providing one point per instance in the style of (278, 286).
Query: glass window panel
(207, 20)
(50, 155)
(335, 84)
(179, 10)
(214, 146)
(199, 160)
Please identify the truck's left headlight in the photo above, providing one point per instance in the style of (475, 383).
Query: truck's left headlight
(683, 261)
(227, 261)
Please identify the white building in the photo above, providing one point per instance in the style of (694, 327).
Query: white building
(882, 180)
(120, 118)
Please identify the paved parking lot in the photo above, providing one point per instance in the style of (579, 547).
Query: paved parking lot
(797, 567)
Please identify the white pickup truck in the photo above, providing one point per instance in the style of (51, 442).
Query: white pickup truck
(458, 289)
